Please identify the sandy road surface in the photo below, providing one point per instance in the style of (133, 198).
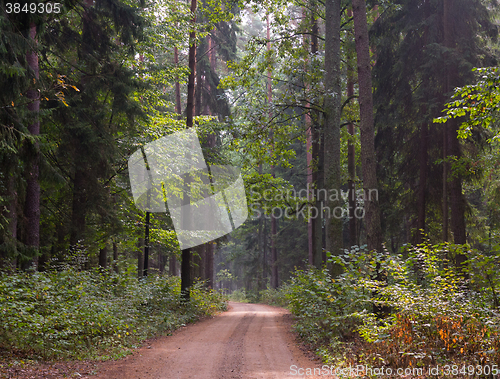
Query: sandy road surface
(248, 341)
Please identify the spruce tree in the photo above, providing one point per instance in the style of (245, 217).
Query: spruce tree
(424, 49)
(97, 108)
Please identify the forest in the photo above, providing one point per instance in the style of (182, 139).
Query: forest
(364, 135)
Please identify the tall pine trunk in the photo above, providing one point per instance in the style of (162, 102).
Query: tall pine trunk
(351, 155)
(115, 257)
(177, 84)
(81, 169)
(332, 129)
(274, 221)
(368, 157)
(263, 242)
(211, 140)
(146, 244)
(318, 157)
(172, 266)
(423, 154)
(422, 185)
(313, 159)
(186, 279)
(457, 201)
(103, 257)
(32, 202)
(309, 156)
(140, 259)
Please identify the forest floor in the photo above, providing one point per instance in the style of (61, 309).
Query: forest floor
(247, 341)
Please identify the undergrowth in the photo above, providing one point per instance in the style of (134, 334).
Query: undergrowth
(433, 315)
(80, 314)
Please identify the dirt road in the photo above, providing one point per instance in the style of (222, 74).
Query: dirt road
(248, 341)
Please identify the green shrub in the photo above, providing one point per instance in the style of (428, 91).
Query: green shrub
(437, 315)
(239, 295)
(434, 313)
(275, 297)
(80, 314)
(330, 310)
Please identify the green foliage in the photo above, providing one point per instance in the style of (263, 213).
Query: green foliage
(435, 315)
(239, 295)
(329, 310)
(479, 101)
(272, 296)
(80, 314)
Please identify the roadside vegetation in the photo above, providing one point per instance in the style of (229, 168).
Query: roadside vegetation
(97, 314)
(427, 315)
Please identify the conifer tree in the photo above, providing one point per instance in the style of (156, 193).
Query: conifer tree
(411, 85)
(13, 131)
(97, 107)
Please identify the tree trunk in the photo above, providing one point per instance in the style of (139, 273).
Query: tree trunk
(447, 42)
(368, 157)
(172, 265)
(332, 129)
(186, 280)
(269, 73)
(103, 257)
(198, 267)
(79, 200)
(422, 185)
(11, 215)
(209, 264)
(274, 253)
(177, 85)
(424, 155)
(310, 184)
(192, 68)
(210, 246)
(161, 262)
(457, 201)
(445, 183)
(32, 202)
(274, 222)
(115, 257)
(262, 243)
(146, 244)
(140, 260)
(318, 157)
(264, 254)
(351, 154)
(312, 147)
(261, 284)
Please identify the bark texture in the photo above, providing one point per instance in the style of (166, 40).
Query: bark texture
(368, 157)
(186, 280)
(332, 107)
(32, 201)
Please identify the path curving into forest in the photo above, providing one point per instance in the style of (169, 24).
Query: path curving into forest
(247, 341)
